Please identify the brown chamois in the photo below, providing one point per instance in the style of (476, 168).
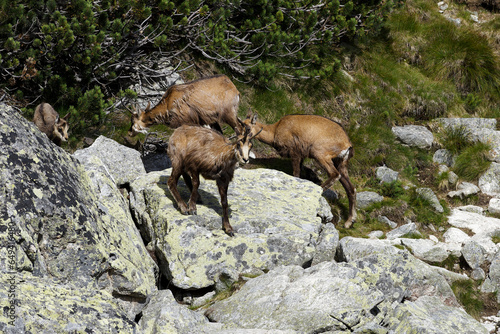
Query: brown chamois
(49, 122)
(311, 136)
(207, 101)
(196, 150)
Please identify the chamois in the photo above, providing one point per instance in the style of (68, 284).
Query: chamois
(207, 101)
(311, 136)
(49, 122)
(196, 150)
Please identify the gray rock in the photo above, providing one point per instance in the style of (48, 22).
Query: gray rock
(482, 227)
(375, 234)
(426, 250)
(428, 194)
(443, 157)
(455, 235)
(469, 123)
(275, 218)
(427, 315)
(386, 175)
(164, 315)
(351, 296)
(478, 274)
(473, 254)
(386, 220)
(409, 228)
(464, 189)
(494, 206)
(414, 136)
(328, 243)
(71, 223)
(366, 198)
(47, 306)
(492, 281)
(489, 182)
(351, 249)
(122, 163)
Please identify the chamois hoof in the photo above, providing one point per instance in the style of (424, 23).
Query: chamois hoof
(230, 233)
(348, 224)
(193, 212)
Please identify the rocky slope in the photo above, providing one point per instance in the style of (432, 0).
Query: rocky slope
(90, 242)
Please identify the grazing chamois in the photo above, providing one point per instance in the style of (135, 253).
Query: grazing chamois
(49, 122)
(207, 101)
(196, 150)
(311, 136)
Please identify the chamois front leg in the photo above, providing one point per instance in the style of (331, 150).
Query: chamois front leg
(172, 186)
(296, 164)
(223, 187)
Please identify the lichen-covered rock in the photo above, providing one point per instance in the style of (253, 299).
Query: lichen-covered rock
(44, 306)
(274, 216)
(164, 315)
(61, 224)
(122, 163)
(427, 315)
(358, 296)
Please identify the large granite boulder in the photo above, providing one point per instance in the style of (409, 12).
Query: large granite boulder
(380, 293)
(64, 223)
(275, 218)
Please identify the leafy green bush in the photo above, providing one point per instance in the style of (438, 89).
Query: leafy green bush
(60, 49)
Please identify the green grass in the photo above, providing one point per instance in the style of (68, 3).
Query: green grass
(472, 161)
(454, 138)
(474, 302)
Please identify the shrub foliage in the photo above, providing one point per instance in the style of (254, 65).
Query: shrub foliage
(57, 50)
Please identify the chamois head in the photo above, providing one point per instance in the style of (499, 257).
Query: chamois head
(61, 128)
(137, 124)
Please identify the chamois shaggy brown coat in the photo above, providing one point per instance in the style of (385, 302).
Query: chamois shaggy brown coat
(207, 101)
(195, 150)
(49, 122)
(310, 136)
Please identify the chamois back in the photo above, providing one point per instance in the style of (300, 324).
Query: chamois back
(311, 136)
(206, 101)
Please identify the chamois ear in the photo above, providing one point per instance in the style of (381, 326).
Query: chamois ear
(57, 119)
(66, 116)
(148, 107)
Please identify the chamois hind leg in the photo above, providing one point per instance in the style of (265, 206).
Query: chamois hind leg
(223, 187)
(189, 184)
(172, 186)
(333, 173)
(350, 191)
(194, 194)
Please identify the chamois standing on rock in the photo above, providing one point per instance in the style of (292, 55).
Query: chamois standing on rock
(196, 150)
(49, 122)
(311, 136)
(207, 101)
